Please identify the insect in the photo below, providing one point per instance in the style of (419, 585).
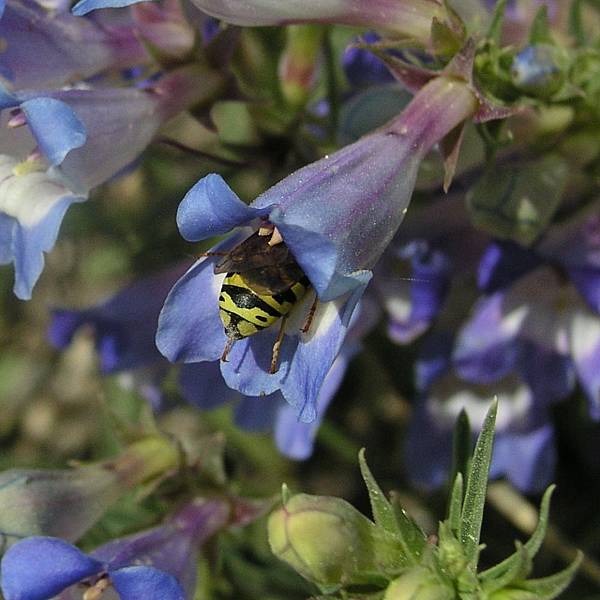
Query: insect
(263, 283)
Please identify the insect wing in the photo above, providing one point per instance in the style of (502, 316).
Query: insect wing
(273, 279)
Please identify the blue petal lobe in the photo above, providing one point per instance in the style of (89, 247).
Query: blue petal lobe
(38, 568)
(256, 414)
(7, 99)
(29, 244)
(86, 6)
(189, 326)
(211, 208)
(55, 126)
(202, 385)
(145, 583)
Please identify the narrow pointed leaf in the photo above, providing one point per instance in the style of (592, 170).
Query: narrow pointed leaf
(472, 515)
(532, 546)
(540, 28)
(456, 501)
(380, 505)
(461, 448)
(519, 569)
(550, 587)
(495, 29)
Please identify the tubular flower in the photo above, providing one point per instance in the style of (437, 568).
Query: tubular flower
(406, 18)
(72, 49)
(84, 137)
(333, 219)
(157, 563)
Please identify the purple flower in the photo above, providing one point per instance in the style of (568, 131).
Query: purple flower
(72, 49)
(336, 217)
(524, 449)
(539, 319)
(362, 67)
(408, 18)
(158, 563)
(435, 250)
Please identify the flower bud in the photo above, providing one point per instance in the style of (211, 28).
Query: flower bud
(419, 583)
(536, 71)
(330, 543)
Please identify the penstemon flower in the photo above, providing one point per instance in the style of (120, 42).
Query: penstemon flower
(157, 563)
(335, 217)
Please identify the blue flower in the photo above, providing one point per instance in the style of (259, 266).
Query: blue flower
(362, 67)
(524, 450)
(159, 563)
(336, 217)
(538, 319)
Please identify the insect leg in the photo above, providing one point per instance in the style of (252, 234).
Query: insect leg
(310, 316)
(212, 254)
(277, 346)
(227, 349)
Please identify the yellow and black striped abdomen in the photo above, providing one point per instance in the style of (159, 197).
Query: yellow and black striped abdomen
(244, 312)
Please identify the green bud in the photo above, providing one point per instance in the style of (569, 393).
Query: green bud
(329, 542)
(419, 583)
(537, 71)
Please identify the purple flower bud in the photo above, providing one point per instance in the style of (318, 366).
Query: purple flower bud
(406, 18)
(72, 49)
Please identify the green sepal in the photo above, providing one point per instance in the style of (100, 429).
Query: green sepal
(396, 522)
(445, 41)
(519, 568)
(545, 588)
(531, 546)
(518, 202)
(472, 513)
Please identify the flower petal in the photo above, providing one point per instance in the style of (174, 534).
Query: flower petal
(316, 353)
(295, 438)
(211, 208)
(256, 414)
(189, 326)
(528, 459)
(85, 6)
(202, 385)
(55, 126)
(38, 568)
(146, 583)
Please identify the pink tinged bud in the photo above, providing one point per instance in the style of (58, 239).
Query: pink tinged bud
(329, 542)
(405, 18)
(300, 62)
(164, 27)
(17, 119)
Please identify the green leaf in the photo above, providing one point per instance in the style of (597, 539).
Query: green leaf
(495, 30)
(519, 569)
(234, 123)
(576, 28)
(518, 201)
(455, 504)
(540, 28)
(532, 546)
(396, 522)
(461, 447)
(472, 514)
(550, 587)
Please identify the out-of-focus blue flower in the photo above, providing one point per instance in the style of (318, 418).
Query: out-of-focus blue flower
(524, 449)
(336, 216)
(158, 563)
(435, 249)
(535, 70)
(362, 67)
(538, 319)
(32, 206)
(42, 49)
(87, 136)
